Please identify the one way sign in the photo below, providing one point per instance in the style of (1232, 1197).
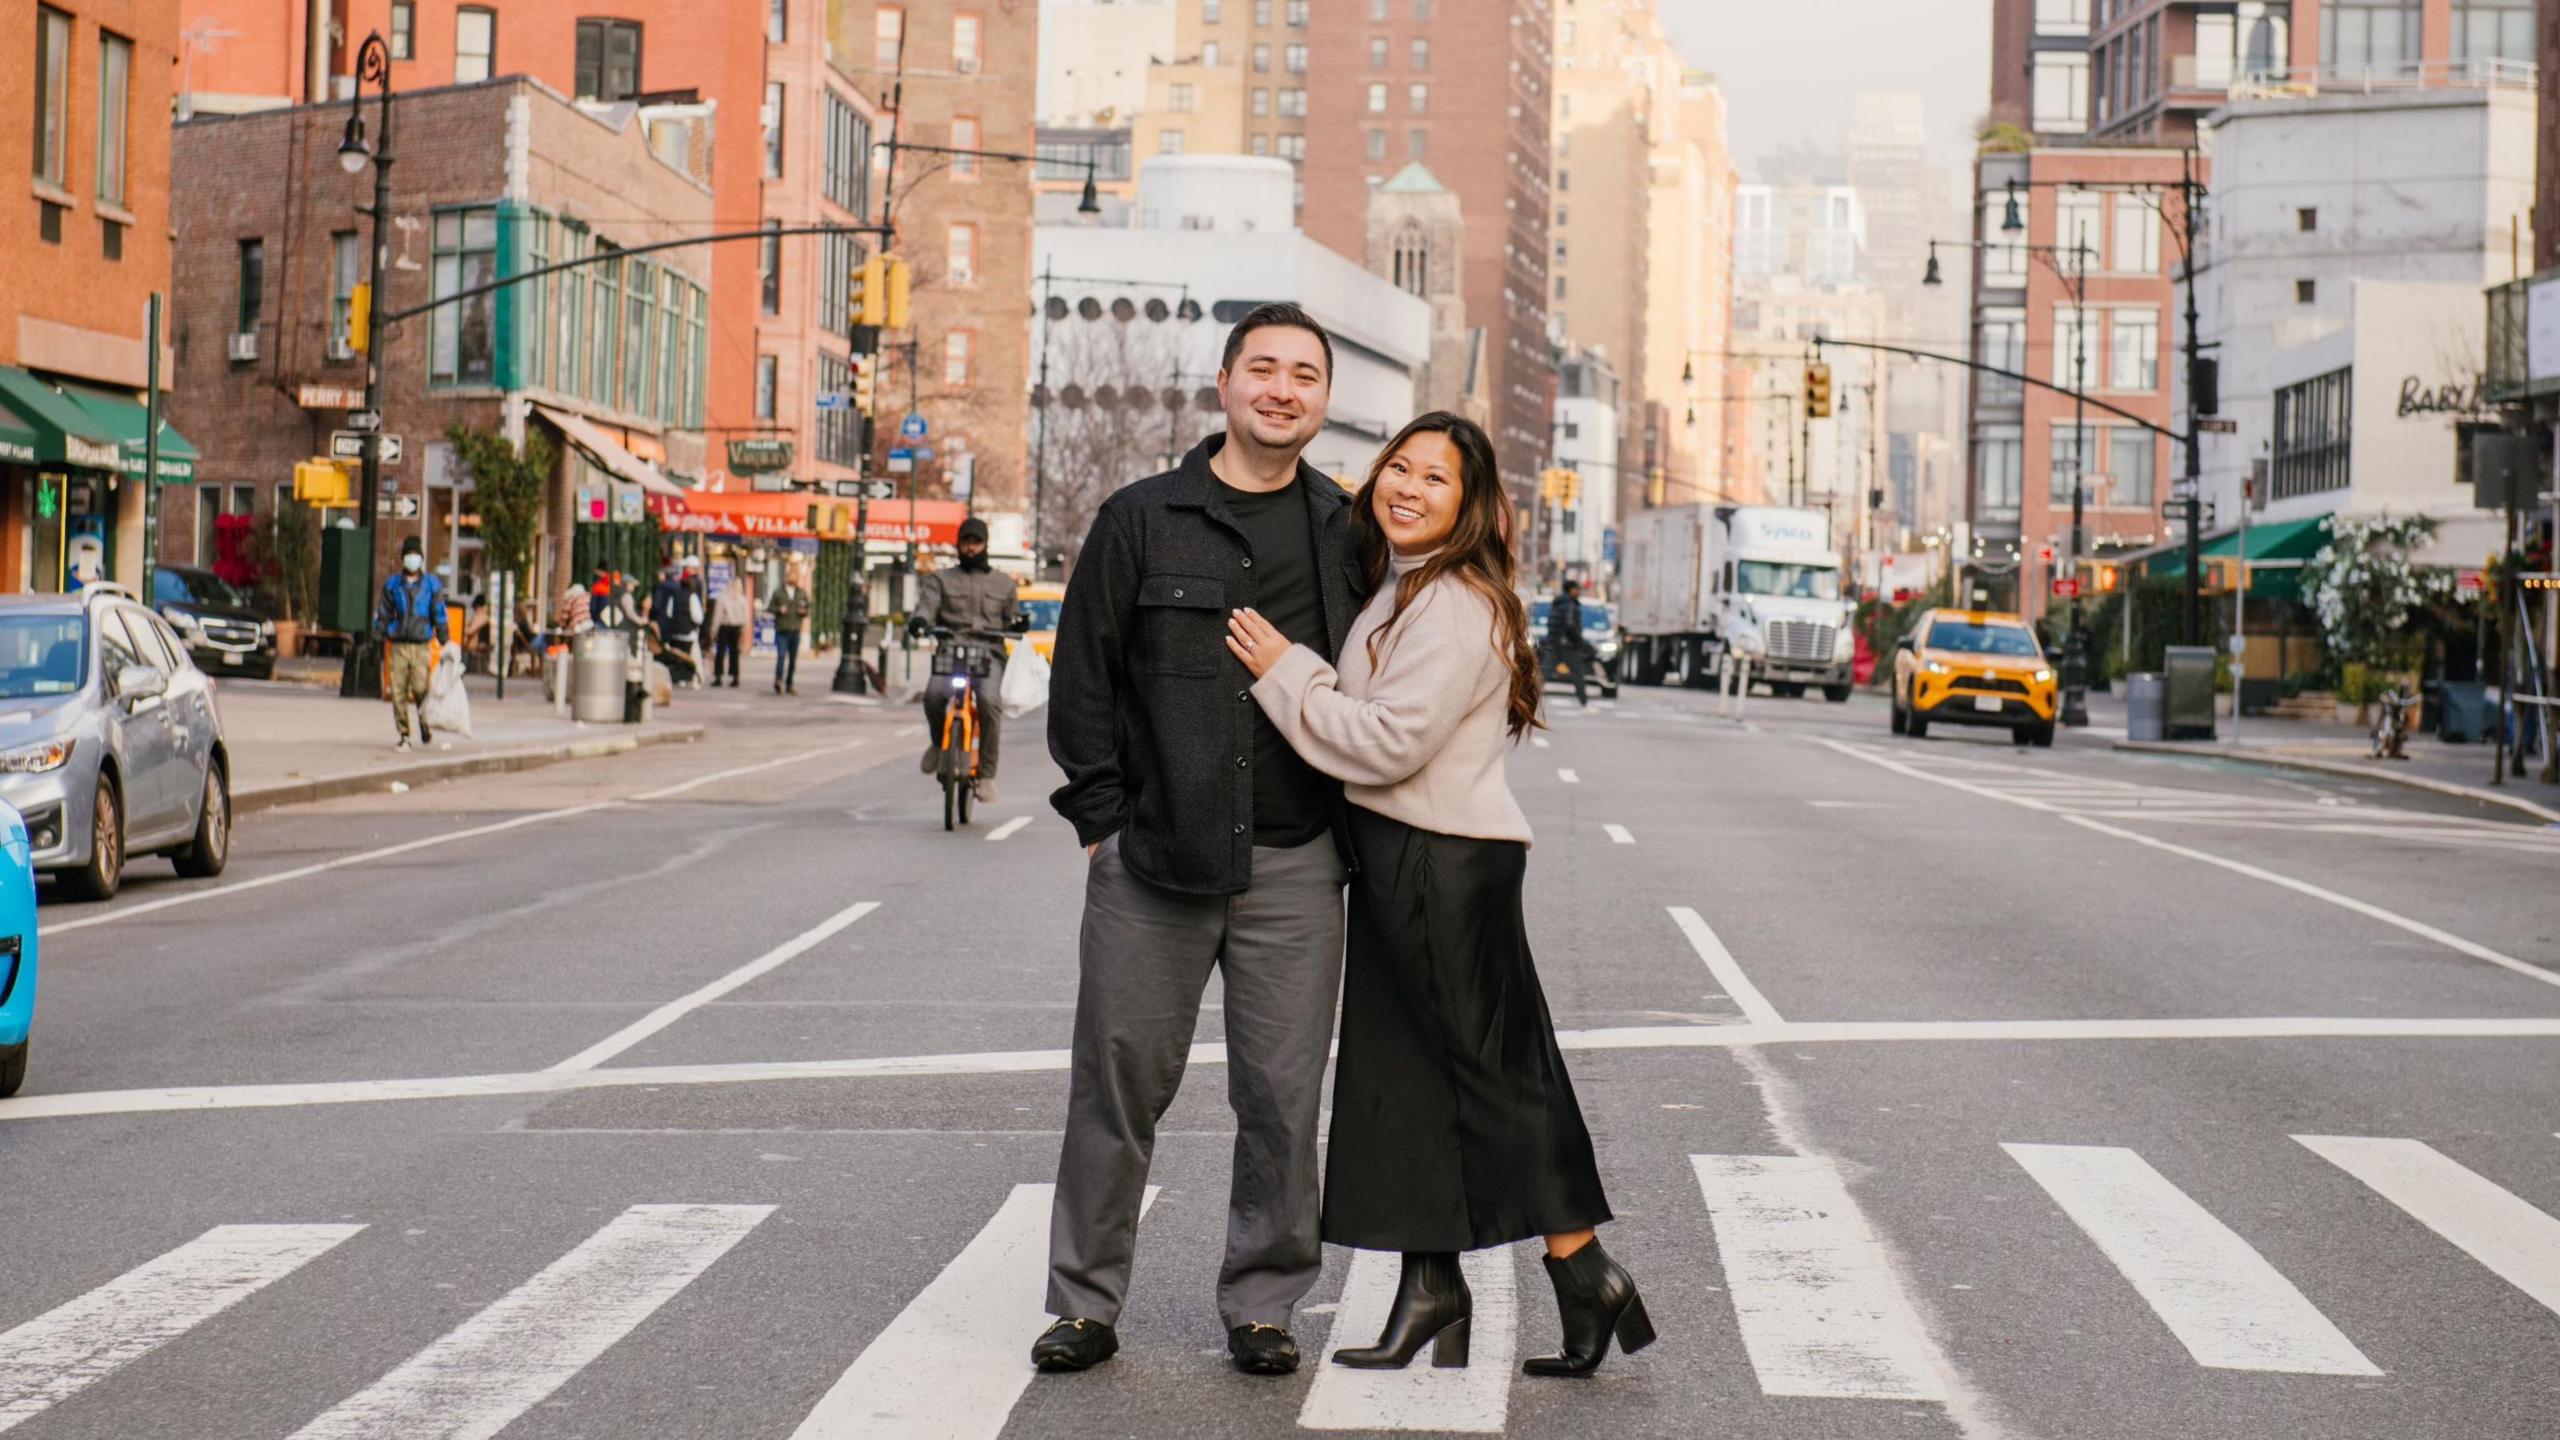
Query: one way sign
(349, 445)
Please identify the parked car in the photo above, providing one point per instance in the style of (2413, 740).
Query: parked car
(110, 742)
(1973, 667)
(17, 951)
(1600, 646)
(224, 634)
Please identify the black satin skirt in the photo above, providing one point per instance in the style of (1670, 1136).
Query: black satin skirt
(1454, 1122)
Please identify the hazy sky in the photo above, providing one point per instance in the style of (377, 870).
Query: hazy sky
(1791, 68)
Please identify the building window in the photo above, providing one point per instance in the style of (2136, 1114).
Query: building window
(2493, 30)
(1262, 59)
(53, 97)
(1181, 99)
(772, 117)
(2133, 356)
(1212, 12)
(2063, 460)
(463, 347)
(1377, 140)
(1377, 52)
(1261, 13)
(475, 44)
(847, 155)
(1418, 98)
(1998, 453)
(1378, 98)
(768, 381)
(1293, 147)
(1261, 102)
(838, 257)
(1378, 12)
(1411, 264)
(404, 28)
(2075, 347)
(1422, 10)
(2133, 465)
(2307, 218)
(115, 93)
(2061, 91)
(2079, 232)
(253, 287)
(888, 37)
(1293, 104)
(346, 267)
(1294, 59)
(2309, 447)
(604, 324)
(2062, 17)
(2003, 264)
(1416, 144)
(1559, 287)
(1261, 145)
(639, 288)
(2306, 292)
(957, 352)
(839, 431)
(1298, 13)
(2137, 237)
(961, 268)
(2004, 346)
(1209, 53)
(608, 60)
(964, 136)
(1169, 142)
(769, 267)
(968, 33)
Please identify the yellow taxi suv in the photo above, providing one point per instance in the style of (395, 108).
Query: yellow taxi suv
(1973, 667)
(1038, 606)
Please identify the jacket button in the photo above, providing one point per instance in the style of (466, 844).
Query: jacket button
(1244, 695)
(1177, 594)
(1240, 762)
(1239, 829)
(1248, 562)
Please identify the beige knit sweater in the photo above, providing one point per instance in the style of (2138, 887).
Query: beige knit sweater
(1420, 736)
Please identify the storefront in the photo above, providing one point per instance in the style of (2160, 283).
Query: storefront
(71, 483)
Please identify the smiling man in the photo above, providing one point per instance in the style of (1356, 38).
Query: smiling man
(1210, 845)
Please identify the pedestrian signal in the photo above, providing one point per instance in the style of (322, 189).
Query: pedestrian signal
(870, 299)
(894, 310)
(320, 482)
(2110, 578)
(1817, 391)
(865, 383)
(360, 318)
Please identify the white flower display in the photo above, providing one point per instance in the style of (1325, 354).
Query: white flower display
(2364, 590)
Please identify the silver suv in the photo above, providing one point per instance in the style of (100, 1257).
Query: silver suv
(110, 744)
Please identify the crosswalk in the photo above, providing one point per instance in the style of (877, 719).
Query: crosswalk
(1822, 1304)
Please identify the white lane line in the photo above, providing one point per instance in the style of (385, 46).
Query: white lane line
(674, 1010)
(366, 857)
(483, 1374)
(954, 1363)
(2215, 1292)
(73, 1346)
(2518, 1243)
(697, 782)
(1539, 740)
(1820, 1310)
(1728, 972)
(1009, 828)
(1568, 777)
(1618, 834)
(2371, 911)
(1475, 1400)
(170, 1099)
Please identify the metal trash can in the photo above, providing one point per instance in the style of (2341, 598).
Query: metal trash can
(2146, 705)
(2190, 677)
(599, 660)
(2464, 715)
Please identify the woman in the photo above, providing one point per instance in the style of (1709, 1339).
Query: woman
(1454, 1123)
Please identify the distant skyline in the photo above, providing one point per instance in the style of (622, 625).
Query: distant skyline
(1790, 78)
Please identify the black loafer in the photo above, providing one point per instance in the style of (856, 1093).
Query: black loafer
(1074, 1345)
(1263, 1350)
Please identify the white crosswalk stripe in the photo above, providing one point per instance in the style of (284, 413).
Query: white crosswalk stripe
(1474, 1400)
(479, 1377)
(2518, 1243)
(65, 1350)
(2216, 1293)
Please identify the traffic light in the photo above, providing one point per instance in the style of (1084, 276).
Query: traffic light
(2110, 577)
(1653, 486)
(360, 318)
(320, 482)
(869, 301)
(1817, 391)
(865, 383)
(898, 285)
(1556, 487)
(1572, 489)
(830, 520)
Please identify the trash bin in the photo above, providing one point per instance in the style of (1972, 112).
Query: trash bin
(2146, 705)
(2463, 712)
(598, 662)
(2189, 714)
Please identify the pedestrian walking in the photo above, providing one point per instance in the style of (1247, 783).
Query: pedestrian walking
(1566, 641)
(1455, 1125)
(677, 612)
(409, 617)
(974, 600)
(731, 614)
(1210, 844)
(790, 611)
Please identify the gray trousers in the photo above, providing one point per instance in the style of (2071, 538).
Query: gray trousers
(1144, 958)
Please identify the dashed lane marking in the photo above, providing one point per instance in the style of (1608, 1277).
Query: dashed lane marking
(1009, 829)
(1568, 777)
(1619, 834)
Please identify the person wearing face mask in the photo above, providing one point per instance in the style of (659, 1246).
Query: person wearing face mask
(409, 617)
(975, 600)
(1455, 1125)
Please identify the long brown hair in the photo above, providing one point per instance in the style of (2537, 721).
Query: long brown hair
(1477, 552)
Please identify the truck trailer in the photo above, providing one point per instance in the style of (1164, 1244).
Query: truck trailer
(1758, 582)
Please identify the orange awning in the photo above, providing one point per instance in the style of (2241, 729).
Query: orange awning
(764, 514)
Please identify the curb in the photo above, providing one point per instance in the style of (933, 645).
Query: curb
(2357, 772)
(365, 782)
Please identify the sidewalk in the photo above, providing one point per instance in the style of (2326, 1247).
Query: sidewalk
(295, 742)
(2334, 749)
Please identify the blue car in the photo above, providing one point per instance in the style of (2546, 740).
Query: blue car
(17, 950)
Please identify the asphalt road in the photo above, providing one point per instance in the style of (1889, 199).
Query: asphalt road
(1943, 1088)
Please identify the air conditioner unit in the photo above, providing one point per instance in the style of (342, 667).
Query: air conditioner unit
(339, 349)
(965, 66)
(243, 346)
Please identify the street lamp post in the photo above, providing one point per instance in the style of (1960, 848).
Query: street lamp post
(373, 63)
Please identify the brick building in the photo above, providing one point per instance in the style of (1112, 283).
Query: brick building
(1390, 82)
(81, 251)
(609, 360)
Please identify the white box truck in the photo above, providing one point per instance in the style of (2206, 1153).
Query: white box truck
(1760, 581)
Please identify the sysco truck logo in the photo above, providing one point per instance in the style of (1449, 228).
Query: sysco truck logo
(1789, 532)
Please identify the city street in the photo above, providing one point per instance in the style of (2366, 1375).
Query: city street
(1943, 1088)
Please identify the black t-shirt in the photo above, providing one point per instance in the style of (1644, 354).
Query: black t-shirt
(1289, 796)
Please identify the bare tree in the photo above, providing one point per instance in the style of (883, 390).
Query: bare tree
(1121, 409)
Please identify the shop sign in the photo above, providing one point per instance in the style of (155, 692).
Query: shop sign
(329, 397)
(89, 454)
(755, 457)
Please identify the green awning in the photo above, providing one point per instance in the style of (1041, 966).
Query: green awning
(2276, 553)
(63, 433)
(123, 418)
(17, 440)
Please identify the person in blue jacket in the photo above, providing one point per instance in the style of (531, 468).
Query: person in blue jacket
(410, 614)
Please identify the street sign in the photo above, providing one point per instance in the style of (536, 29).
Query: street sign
(349, 445)
(848, 489)
(835, 400)
(2066, 587)
(363, 420)
(913, 427)
(759, 456)
(404, 507)
(901, 462)
(883, 489)
(2223, 425)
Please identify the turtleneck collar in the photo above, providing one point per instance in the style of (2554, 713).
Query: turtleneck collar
(1400, 564)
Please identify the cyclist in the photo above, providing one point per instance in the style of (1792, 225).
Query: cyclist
(975, 601)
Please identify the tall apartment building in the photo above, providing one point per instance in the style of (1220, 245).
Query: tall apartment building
(1268, 46)
(1906, 201)
(1390, 82)
(1688, 333)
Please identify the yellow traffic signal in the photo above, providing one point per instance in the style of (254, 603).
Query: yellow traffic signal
(1653, 486)
(2110, 577)
(899, 284)
(320, 482)
(360, 318)
(866, 384)
(1570, 488)
(1817, 391)
(870, 299)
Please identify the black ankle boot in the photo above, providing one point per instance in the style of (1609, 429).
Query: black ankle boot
(1432, 1308)
(1598, 1298)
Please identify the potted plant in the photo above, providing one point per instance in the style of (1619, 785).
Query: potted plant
(284, 555)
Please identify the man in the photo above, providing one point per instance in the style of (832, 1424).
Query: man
(790, 609)
(409, 615)
(976, 600)
(731, 614)
(675, 607)
(1566, 642)
(1211, 844)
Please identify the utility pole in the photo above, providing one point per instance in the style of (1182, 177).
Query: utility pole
(2075, 648)
(2194, 631)
(373, 62)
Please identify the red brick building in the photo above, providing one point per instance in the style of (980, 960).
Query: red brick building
(1465, 90)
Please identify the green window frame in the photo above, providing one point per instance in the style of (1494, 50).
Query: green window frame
(604, 326)
(462, 344)
(639, 304)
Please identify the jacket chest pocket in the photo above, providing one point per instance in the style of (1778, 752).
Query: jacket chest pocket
(1182, 625)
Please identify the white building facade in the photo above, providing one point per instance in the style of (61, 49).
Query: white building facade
(1579, 538)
